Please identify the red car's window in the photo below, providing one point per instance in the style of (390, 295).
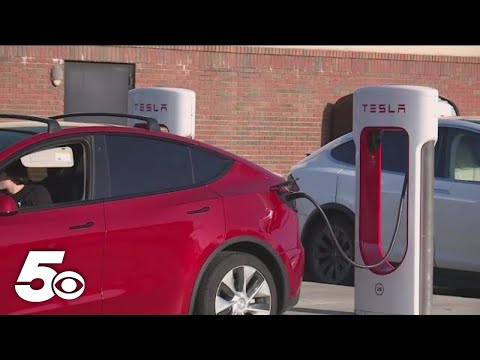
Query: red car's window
(141, 165)
(207, 165)
(10, 137)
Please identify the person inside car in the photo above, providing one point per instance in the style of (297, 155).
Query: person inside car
(14, 182)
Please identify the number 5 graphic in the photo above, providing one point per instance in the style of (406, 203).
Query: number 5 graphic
(32, 270)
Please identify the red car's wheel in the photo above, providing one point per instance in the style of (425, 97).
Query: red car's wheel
(237, 283)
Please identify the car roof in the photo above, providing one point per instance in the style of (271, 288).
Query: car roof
(38, 128)
(70, 127)
(472, 122)
(467, 118)
(35, 127)
(469, 121)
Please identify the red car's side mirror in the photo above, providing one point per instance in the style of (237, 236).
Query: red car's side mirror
(8, 206)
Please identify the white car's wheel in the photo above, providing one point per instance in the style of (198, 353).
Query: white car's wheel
(324, 263)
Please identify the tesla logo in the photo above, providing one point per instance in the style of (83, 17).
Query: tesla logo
(67, 285)
(379, 289)
(150, 107)
(385, 108)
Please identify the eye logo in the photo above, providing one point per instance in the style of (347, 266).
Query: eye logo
(67, 285)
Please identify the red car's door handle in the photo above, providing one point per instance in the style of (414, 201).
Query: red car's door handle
(83, 226)
(196, 211)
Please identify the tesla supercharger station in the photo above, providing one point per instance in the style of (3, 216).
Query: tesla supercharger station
(173, 107)
(404, 287)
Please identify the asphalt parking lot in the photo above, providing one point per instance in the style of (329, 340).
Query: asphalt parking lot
(322, 299)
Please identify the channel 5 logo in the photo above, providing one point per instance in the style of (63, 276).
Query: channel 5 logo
(63, 284)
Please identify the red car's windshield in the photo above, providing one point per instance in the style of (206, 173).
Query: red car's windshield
(10, 137)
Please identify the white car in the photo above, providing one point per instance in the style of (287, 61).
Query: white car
(328, 175)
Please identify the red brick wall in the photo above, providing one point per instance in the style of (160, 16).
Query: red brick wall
(265, 104)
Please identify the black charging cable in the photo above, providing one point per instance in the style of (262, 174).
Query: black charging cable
(297, 195)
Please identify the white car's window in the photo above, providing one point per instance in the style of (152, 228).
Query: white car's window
(464, 156)
(394, 151)
(345, 152)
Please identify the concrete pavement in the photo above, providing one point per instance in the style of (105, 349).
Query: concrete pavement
(322, 299)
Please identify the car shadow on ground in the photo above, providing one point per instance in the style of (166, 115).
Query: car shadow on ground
(466, 293)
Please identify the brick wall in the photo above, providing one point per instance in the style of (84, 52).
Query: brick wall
(266, 104)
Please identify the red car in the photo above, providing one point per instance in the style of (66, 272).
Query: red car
(117, 219)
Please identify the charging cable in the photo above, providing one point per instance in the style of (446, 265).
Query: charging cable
(298, 195)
